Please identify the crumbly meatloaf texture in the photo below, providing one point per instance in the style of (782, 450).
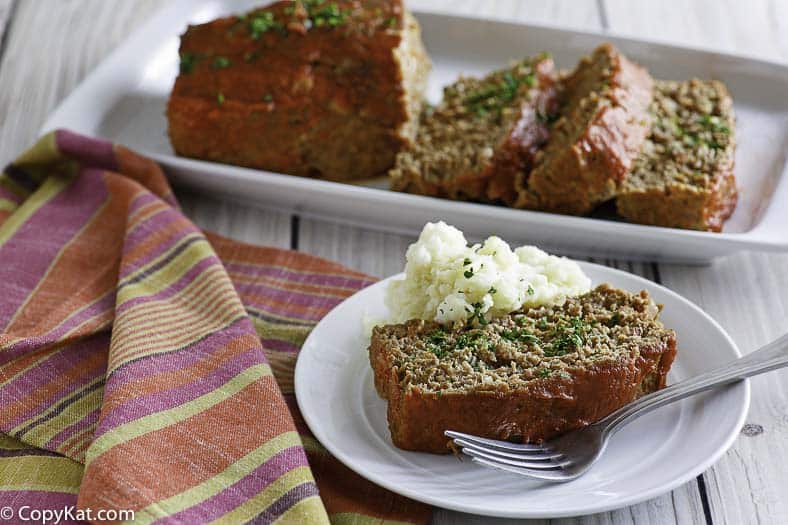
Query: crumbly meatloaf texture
(313, 88)
(484, 131)
(524, 378)
(683, 177)
(603, 123)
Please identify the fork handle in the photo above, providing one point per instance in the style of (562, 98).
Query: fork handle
(770, 357)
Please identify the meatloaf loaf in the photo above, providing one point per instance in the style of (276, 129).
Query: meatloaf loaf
(603, 123)
(313, 88)
(484, 131)
(526, 377)
(683, 178)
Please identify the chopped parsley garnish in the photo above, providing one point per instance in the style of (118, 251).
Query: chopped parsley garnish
(521, 335)
(221, 62)
(220, 98)
(530, 290)
(437, 337)
(468, 273)
(188, 61)
(462, 341)
(707, 133)
(714, 123)
(544, 372)
(478, 314)
(392, 22)
(437, 343)
(492, 290)
(494, 95)
(466, 262)
(437, 350)
(329, 15)
(268, 97)
(468, 339)
(567, 337)
(614, 320)
(542, 324)
(262, 22)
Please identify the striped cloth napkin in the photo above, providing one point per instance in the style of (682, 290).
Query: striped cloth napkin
(147, 365)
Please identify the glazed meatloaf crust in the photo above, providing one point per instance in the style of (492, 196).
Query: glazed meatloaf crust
(684, 178)
(313, 88)
(603, 123)
(484, 131)
(526, 377)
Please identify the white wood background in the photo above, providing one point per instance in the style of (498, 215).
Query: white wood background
(48, 46)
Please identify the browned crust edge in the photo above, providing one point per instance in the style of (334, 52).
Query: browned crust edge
(590, 170)
(245, 129)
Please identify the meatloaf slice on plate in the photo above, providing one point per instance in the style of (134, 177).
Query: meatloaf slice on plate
(313, 88)
(683, 178)
(603, 123)
(484, 131)
(525, 377)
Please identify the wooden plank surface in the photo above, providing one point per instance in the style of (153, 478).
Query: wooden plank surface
(238, 221)
(47, 51)
(50, 47)
(6, 14)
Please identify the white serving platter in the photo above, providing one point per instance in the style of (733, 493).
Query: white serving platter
(124, 100)
(660, 451)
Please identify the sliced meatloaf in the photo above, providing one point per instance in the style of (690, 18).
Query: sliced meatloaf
(526, 377)
(683, 178)
(603, 123)
(484, 131)
(314, 88)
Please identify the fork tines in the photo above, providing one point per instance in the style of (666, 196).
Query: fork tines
(536, 461)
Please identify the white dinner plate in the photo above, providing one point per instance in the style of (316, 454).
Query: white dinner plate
(651, 456)
(125, 98)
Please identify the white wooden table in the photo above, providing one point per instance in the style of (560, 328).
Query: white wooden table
(48, 46)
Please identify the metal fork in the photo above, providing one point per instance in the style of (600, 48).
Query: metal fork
(569, 456)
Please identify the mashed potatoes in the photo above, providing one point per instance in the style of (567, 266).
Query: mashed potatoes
(450, 282)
